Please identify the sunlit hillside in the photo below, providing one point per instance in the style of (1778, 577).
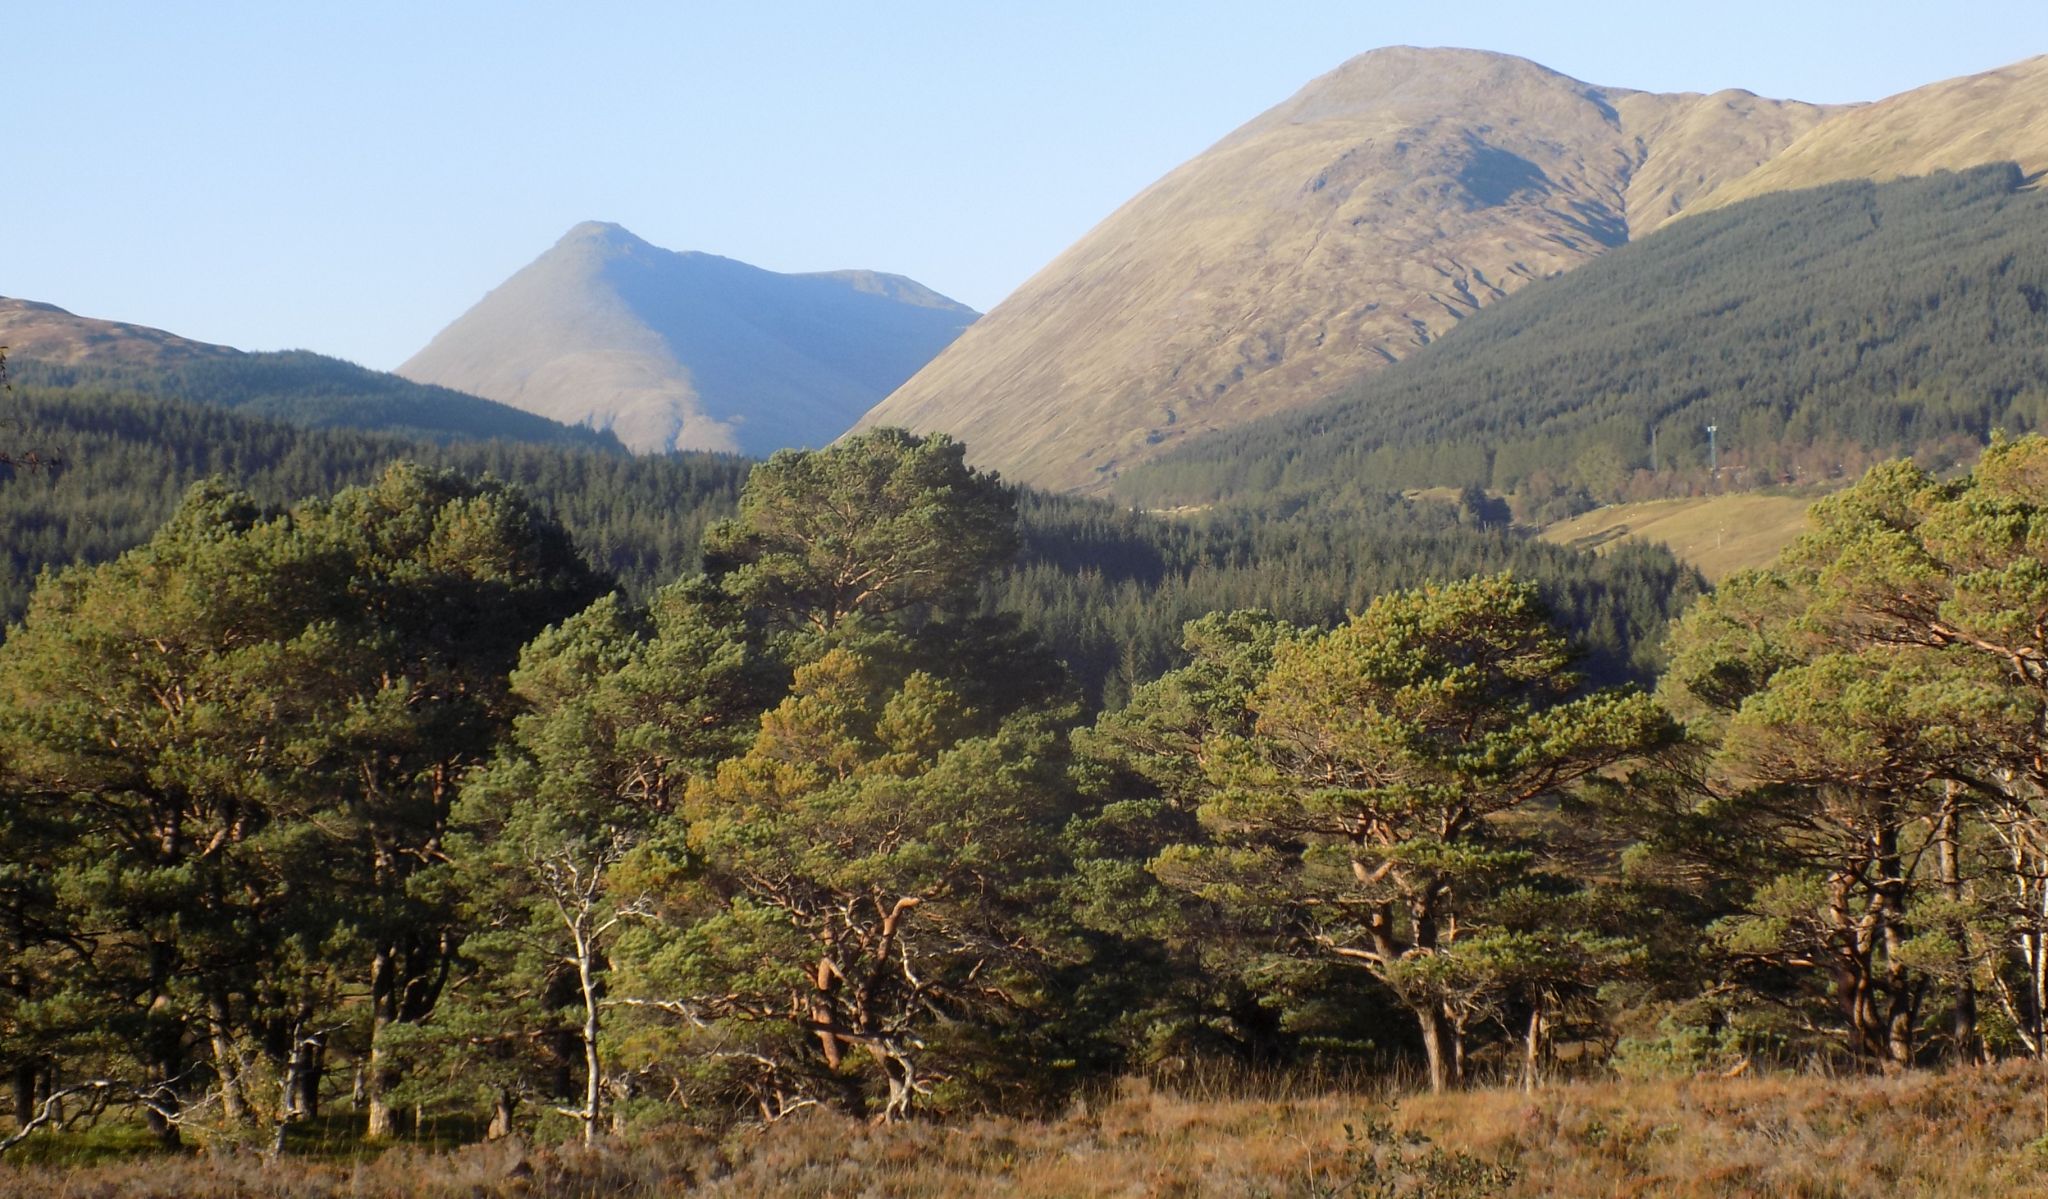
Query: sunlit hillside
(1717, 534)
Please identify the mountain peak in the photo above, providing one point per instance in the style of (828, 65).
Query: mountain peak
(1421, 81)
(1359, 219)
(1446, 62)
(601, 234)
(689, 351)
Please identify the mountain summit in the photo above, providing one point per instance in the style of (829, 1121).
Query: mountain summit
(1349, 225)
(689, 351)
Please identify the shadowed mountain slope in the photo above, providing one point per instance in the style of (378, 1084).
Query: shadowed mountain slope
(1345, 228)
(689, 351)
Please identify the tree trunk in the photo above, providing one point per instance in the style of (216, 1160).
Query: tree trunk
(25, 1076)
(165, 1132)
(1440, 1039)
(1902, 990)
(227, 1065)
(1852, 984)
(1439, 1044)
(501, 1116)
(299, 1089)
(311, 1070)
(593, 1075)
(157, 1114)
(378, 1078)
(2037, 977)
(901, 1074)
(825, 979)
(1532, 1050)
(1850, 964)
(382, 1121)
(288, 1110)
(1899, 1034)
(1963, 1020)
(2033, 940)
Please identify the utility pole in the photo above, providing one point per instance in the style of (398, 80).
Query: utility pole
(1713, 451)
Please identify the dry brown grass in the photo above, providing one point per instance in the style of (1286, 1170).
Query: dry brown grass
(1960, 1134)
(1947, 126)
(1719, 534)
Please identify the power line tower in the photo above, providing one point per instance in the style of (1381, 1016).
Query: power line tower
(1713, 450)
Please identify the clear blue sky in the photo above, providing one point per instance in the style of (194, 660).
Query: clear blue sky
(351, 177)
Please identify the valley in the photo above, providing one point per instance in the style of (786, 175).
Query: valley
(1481, 636)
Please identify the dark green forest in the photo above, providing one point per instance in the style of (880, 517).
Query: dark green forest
(124, 460)
(388, 803)
(1814, 328)
(1108, 588)
(304, 388)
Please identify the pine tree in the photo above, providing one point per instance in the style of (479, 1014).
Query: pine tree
(1364, 804)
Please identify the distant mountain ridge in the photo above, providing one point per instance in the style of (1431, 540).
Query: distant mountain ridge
(1995, 116)
(39, 332)
(672, 350)
(52, 347)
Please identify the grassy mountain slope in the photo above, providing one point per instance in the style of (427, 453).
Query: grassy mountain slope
(1804, 325)
(689, 351)
(49, 346)
(1359, 220)
(1997, 116)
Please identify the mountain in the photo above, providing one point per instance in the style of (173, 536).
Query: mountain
(34, 332)
(1345, 228)
(686, 350)
(1815, 329)
(1998, 116)
(48, 346)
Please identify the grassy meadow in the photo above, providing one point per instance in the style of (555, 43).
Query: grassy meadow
(1718, 534)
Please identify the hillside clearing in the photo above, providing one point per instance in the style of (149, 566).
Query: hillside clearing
(1719, 534)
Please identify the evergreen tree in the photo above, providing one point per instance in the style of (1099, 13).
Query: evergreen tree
(1875, 700)
(859, 890)
(843, 902)
(882, 522)
(249, 731)
(1365, 803)
(620, 709)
